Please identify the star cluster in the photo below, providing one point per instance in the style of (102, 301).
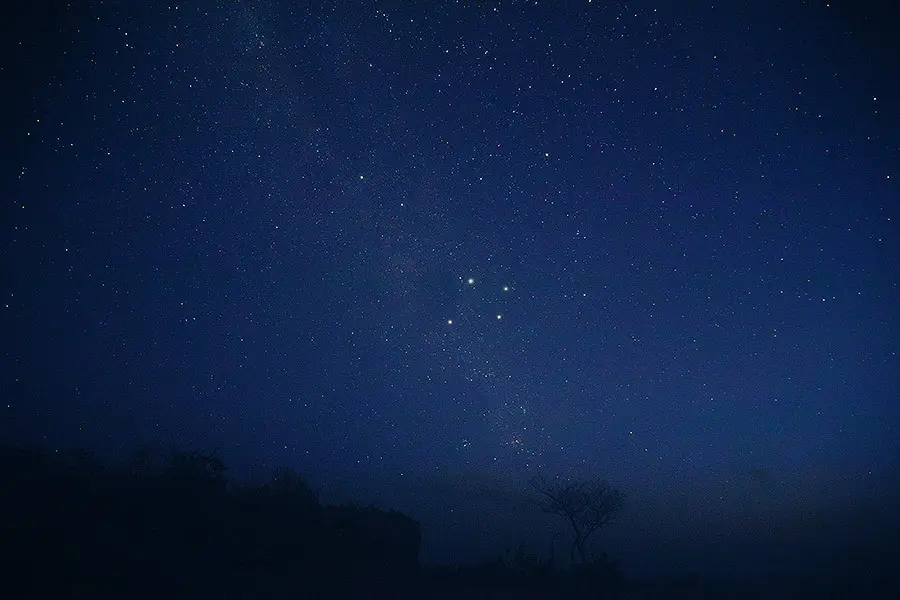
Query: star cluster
(656, 242)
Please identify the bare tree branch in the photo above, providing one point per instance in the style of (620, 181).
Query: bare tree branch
(586, 504)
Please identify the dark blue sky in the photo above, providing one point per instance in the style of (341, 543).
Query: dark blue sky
(422, 250)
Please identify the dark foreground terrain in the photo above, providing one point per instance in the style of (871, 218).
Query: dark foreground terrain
(72, 527)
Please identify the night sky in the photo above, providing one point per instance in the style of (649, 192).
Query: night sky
(420, 251)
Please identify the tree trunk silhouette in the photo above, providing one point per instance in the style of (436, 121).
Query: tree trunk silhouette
(586, 504)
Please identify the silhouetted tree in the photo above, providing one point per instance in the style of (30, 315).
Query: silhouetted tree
(197, 472)
(586, 504)
(290, 486)
(196, 465)
(143, 461)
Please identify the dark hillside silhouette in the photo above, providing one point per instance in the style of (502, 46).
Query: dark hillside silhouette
(176, 527)
(74, 528)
